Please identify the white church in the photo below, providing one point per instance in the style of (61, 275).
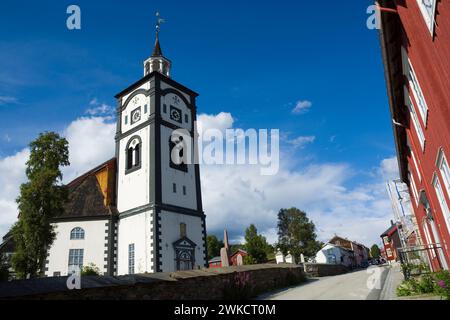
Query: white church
(138, 212)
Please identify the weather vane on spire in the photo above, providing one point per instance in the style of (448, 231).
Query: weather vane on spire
(159, 20)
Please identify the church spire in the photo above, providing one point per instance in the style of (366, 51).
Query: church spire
(157, 62)
(157, 49)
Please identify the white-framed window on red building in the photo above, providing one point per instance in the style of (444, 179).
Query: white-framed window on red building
(414, 86)
(442, 202)
(428, 9)
(389, 252)
(415, 119)
(413, 189)
(426, 231)
(416, 165)
(444, 169)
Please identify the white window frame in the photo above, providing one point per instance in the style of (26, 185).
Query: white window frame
(442, 201)
(76, 257)
(416, 90)
(426, 230)
(414, 188)
(77, 233)
(389, 252)
(444, 169)
(428, 14)
(416, 166)
(415, 119)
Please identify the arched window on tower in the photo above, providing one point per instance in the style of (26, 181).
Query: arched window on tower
(133, 154)
(176, 154)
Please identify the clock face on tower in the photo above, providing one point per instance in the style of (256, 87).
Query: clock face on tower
(135, 115)
(175, 114)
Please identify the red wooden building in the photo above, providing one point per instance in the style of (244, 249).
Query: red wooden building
(391, 243)
(415, 41)
(217, 263)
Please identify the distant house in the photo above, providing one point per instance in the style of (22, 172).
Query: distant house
(361, 252)
(334, 254)
(239, 254)
(391, 242)
(216, 262)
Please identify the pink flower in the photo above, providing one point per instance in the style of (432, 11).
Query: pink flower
(441, 283)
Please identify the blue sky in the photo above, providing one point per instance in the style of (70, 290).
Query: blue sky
(254, 60)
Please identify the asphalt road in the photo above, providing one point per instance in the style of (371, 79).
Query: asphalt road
(365, 284)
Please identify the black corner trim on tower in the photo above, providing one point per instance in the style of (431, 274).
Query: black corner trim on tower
(157, 241)
(111, 270)
(205, 243)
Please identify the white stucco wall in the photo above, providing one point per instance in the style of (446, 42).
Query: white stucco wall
(133, 188)
(323, 255)
(170, 232)
(135, 229)
(165, 85)
(145, 86)
(180, 178)
(94, 245)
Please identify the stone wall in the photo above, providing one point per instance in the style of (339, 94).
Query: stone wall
(323, 270)
(239, 282)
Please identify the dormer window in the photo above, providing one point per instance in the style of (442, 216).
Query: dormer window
(133, 154)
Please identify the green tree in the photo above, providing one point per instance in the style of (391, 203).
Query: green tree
(375, 251)
(41, 199)
(296, 233)
(256, 246)
(214, 246)
(90, 270)
(235, 247)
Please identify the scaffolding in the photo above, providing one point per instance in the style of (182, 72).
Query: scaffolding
(402, 210)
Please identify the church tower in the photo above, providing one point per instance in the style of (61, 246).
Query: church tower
(161, 224)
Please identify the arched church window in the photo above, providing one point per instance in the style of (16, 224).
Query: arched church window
(133, 154)
(77, 234)
(176, 154)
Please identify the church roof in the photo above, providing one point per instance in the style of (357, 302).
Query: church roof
(93, 193)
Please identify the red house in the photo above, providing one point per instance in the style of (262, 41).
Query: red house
(217, 263)
(235, 256)
(391, 243)
(415, 42)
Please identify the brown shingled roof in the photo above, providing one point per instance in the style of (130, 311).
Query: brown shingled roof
(86, 198)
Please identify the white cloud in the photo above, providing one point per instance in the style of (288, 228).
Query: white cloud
(99, 109)
(12, 174)
(301, 142)
(7, 100)
(221, 121)
(389, 168)
(302, 107)
(236, 196)
(91, 142)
